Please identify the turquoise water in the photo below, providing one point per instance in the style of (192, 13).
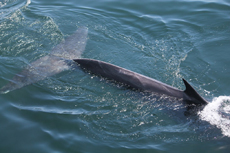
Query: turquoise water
(76, 112)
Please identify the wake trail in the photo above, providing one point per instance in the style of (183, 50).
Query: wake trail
(217, 113)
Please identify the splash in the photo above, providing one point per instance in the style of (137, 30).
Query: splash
(28, 2)
(218, 113)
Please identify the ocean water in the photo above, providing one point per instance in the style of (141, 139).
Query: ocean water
(75, 112)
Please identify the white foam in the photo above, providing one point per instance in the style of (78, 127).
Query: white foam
(28, 2)
(2, 4)
(218, 113)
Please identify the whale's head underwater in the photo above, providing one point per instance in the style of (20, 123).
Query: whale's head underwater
(57, 61)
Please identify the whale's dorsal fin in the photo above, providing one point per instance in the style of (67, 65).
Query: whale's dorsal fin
(191, 96)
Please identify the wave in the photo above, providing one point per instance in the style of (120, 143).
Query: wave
(218, 113)
(28, 2)
(10, 6)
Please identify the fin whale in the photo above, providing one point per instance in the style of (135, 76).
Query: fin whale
(141, 82)
(57, 61)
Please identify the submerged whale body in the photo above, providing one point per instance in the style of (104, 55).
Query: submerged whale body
(63, 56)
(57, 61)
(141, 82)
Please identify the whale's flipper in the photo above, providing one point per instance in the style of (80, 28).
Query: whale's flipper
(141, 82)
(56, 62)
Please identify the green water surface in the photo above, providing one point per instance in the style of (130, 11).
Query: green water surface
(75, 112)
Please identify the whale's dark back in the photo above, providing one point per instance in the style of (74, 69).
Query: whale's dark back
(141, 82)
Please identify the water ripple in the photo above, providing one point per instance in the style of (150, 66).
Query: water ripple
(10, 6)
(77, 112)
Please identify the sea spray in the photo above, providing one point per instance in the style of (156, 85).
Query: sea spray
(218, 113)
